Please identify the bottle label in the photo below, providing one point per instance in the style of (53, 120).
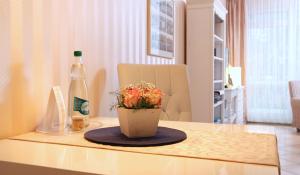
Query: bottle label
(81, 105)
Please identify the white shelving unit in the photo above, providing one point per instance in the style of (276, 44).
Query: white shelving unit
(205, 58)
(218, 39)
(218, 58)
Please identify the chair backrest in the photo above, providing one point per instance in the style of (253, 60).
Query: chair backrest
(171, 79)
(294, 88)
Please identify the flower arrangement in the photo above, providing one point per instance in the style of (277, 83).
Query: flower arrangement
(139, 96)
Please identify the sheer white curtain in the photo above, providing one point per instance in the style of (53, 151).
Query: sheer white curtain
(273, 58)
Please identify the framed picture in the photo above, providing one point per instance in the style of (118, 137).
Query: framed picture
(160, 29)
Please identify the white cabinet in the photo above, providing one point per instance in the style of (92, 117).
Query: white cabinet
(205, 58)
(233, 101)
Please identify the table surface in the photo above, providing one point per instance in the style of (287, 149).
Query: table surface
(35, 158)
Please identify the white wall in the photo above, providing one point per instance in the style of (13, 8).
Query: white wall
(37, 39)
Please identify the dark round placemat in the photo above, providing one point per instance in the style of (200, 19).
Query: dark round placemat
(113, 136)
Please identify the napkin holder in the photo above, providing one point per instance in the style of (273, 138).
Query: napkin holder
(54, 121)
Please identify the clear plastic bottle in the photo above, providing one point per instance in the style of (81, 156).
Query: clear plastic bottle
(78, 106)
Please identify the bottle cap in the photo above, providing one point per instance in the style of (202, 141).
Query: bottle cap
(77, 53)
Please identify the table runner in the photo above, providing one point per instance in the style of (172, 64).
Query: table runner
(204, 141)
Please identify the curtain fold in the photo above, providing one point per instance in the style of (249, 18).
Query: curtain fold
(235, 40)
(273, 58)
(236, 31)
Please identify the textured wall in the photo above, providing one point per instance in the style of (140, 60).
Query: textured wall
(37, 39)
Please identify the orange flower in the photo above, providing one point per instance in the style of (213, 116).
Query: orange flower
(140, 95)
(131, 97)
(153, 96)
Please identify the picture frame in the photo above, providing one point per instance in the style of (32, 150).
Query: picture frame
(160, 28)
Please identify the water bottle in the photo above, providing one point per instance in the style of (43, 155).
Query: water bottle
(78, 109)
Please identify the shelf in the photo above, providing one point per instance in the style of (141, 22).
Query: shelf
(218, 81)
(218, 58)
(221, 91)
(218, 39)
(217, 120)
(218, 104)
(212, 60)
(218, 18)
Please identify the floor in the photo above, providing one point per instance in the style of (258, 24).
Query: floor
(289, 150)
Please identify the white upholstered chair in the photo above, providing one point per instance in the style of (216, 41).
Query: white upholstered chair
(171, 79)
(294, 87)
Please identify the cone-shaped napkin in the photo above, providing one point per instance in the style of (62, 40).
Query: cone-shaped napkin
(54, 122)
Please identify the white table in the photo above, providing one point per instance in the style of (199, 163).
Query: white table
(24, 157)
